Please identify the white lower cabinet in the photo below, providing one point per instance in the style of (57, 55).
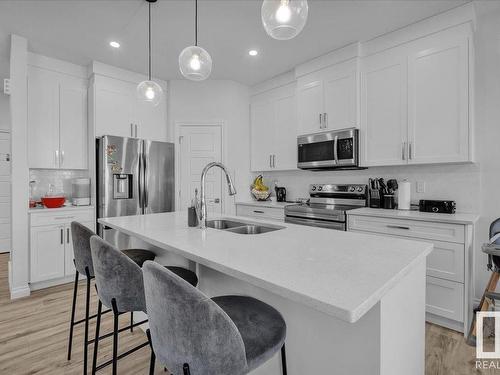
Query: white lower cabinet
(449, 269)
(51, 246)
(259, 212)
(47, 253)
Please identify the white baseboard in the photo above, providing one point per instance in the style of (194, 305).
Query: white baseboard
(20, 292)
(50, 283)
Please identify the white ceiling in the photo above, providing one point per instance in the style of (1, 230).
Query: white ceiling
(80, 30)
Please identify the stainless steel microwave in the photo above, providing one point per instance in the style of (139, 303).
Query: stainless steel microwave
(335, 149)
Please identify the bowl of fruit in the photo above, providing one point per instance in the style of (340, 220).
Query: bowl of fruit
(259, 190)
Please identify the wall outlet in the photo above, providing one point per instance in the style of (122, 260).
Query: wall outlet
(420, 187)
(6, 86)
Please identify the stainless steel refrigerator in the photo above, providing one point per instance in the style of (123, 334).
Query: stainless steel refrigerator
(134, 177)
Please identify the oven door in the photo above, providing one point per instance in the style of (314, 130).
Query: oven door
(338, 225)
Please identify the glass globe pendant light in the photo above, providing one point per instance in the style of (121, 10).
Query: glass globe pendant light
(194, 62)
(284, 19)
(149, 91)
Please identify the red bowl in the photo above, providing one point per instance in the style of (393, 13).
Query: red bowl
(53, 202)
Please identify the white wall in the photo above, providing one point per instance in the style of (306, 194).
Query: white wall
(217, 100)
(4, 99)
(475, 187)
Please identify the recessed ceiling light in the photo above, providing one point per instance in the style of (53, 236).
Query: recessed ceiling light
(253, 52)
(114, 44)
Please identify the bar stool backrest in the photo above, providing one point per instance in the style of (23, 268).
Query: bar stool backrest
(81, 247)
(188, 327)
(494, 230)
(117, 277)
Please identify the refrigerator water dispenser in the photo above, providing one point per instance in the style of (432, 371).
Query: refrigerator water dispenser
(122, 186)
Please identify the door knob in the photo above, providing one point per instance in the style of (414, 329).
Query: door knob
(216, 200)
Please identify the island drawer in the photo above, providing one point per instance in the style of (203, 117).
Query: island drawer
(445, 298)
(260, 212)
(409, 228)
(63, 217)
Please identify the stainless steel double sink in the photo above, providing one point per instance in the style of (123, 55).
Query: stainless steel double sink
(241, 227)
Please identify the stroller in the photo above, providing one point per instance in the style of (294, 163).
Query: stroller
(492, 248)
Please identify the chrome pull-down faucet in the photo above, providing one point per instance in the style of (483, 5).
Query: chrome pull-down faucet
(202, 207)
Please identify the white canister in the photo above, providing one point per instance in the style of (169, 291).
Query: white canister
(81, 191)
(404, 195)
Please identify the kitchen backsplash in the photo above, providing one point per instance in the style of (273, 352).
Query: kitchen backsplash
(454, 182)
(60, 178)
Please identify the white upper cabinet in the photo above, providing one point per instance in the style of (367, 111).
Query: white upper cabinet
(117, 111)
(438, 96)
(415, 102)
(114, 108)
(43, 118)
(73, 123)
(310, 104)
(328, 98)
(261, 116)
(57, 120)
(383, 126)
(273, 117)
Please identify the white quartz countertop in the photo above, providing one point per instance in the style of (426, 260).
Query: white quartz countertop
(339, 273)
(60, 209)
(458, 218)
(270, 204)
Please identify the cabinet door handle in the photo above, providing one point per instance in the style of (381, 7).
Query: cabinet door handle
(136, 130)
(67, 235)
(56, 158)
(62, 236)
(274, 161)
(397, 227)
(258, 211)
(131, 129)
(403, 149)
(325, 120)
(270, 161)
(409, 151)
(62, 157)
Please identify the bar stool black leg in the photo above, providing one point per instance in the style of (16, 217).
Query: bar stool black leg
(115, 336)
(131, 321)
(96, 342)
(185, 368)
(72, 323)
(87, 313)
(153, 356)
(283, 360)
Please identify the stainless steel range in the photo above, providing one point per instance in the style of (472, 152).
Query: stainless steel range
(327, 206)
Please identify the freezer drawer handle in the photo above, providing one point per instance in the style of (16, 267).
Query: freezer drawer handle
(398, 227)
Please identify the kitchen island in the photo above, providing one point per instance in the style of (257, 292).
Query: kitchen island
(353, 303)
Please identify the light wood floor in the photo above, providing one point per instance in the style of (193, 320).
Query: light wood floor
(34, 333)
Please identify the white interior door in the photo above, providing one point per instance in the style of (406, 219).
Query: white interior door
(4, 192)
(198, 146)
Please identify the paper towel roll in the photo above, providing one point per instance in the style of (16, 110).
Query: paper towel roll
(404, 193)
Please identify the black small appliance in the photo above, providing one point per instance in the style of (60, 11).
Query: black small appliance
(437, 206)
(280, 194)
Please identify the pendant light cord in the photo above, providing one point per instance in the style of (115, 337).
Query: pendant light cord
(149, 41)
(196, 22)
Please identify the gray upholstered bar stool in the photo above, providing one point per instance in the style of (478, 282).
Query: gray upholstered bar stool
(193, 334)
(120, 286)
(83, 264)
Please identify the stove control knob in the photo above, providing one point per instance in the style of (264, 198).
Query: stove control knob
(352, 188)
(313, 188)
(320, 188)
(360, 189)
